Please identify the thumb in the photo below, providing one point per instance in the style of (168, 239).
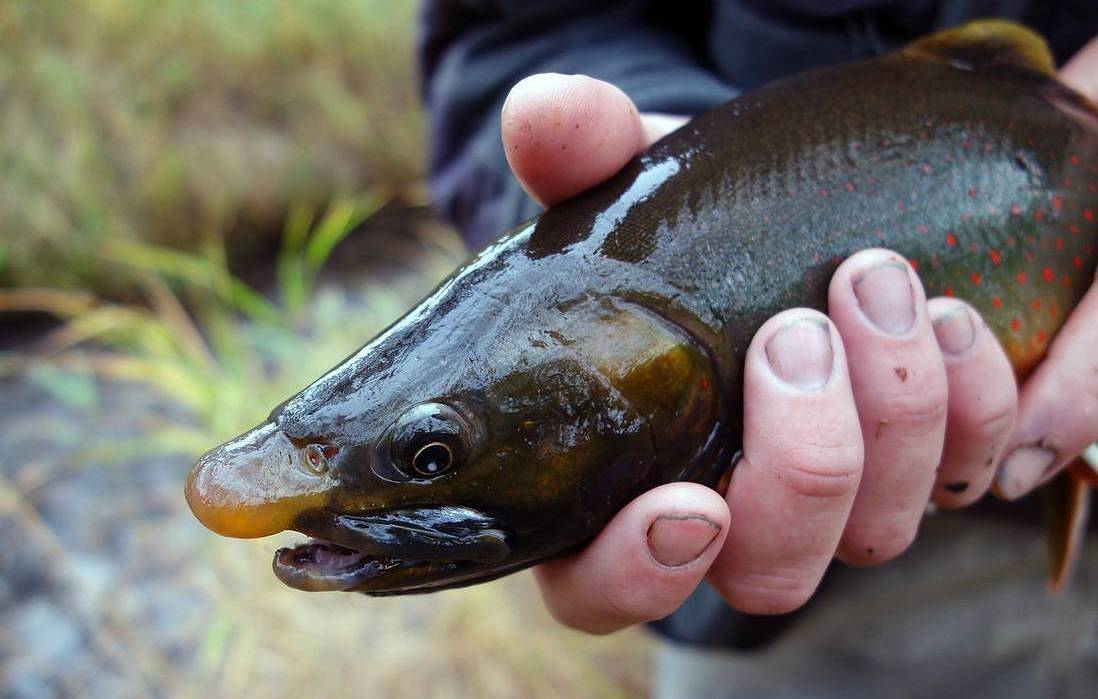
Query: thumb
(563, 134)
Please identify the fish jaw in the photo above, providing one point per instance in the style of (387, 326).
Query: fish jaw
(393, 551)
(255, 485)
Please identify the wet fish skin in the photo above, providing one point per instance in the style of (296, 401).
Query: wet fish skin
(596, 351)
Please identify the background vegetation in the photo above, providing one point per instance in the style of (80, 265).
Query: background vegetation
(214, 201)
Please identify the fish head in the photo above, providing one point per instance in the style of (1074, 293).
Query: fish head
(467, 441)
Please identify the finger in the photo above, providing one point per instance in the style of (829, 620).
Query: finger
(900, 388)
(983, 400)
(563, 134)
(1081, 72)
(791, 492)
(1058, 409)
(643, 565)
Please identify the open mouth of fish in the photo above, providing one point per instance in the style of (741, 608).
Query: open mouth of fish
(391, 551)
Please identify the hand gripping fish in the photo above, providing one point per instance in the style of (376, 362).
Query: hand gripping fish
(596, 352)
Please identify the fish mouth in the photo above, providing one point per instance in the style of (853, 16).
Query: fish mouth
(392, 551)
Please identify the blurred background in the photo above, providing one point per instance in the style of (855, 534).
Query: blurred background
(204, 204)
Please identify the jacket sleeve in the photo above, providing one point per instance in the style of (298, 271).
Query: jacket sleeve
(472, 51)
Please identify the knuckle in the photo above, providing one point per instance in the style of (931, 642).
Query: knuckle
(767, 593)
(922, 410)
(820, 471)
(995, 419)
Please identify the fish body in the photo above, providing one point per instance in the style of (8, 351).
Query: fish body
(596, 352)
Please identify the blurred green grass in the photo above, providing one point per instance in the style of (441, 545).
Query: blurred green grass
(170, 121)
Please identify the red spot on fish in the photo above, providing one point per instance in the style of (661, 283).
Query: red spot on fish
(1053, 310)
(914, 264)
(923, 230)
(849, 186)
(1088, 214)
(972, 192)
(1036, 304)
(703, 383)
(870, 180)
(1015, 324)
(1073, 229)
(879, 233)
(996, 258)
(996, 302)
(976, 278)
(1059, 243)
(1048, 274)
(1074, 159)
(1041, 337)
(1078, 262)
(1021, 277)
(1057, 202)
(1039, 215)
(1015, 210)
(951, 240)
(823, 192)
(900, 206)
(948, 291)
(926, 169)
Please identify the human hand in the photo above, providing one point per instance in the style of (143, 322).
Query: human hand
(805, 490)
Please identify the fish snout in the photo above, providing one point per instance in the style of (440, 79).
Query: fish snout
(254, 485)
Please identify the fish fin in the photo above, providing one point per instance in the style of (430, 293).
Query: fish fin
(1066, 507)
(987, 43)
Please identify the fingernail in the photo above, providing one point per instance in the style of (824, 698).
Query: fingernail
(886, 297)
(800, 354)
(955, 331)
(676, 540)
(1022, 469)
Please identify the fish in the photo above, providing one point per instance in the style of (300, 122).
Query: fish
(596, 351)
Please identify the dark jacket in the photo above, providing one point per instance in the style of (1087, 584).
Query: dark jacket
(673, 57)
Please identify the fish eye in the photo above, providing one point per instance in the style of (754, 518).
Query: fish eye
(429, 440)
(433, 459)
(316, 459)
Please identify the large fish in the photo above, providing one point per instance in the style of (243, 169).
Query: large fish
(596, 352)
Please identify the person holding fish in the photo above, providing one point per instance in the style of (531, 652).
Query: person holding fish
(925, 407)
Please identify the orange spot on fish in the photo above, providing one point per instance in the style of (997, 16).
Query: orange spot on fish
(1036, 304)
(951, 240)
(948, 291)
(914, 264)
(976, 278)
(1057, 202)
(1041, 337)
(1053, 310)
(1048, 274)
(1015, 324)
(996, 302)
(1039, 215)
(1073, 229)
(1021, 277)
(703, 383)
(996, 257)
